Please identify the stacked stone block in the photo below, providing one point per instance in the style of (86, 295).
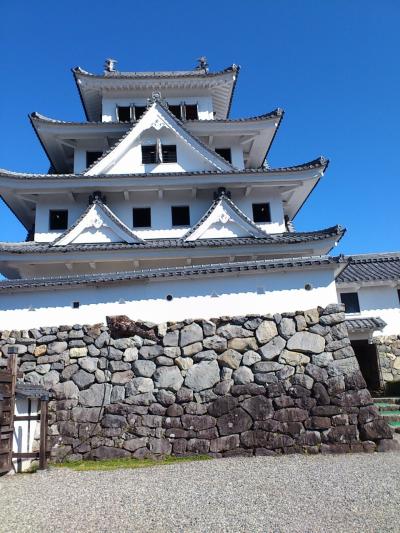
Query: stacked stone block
(388, 348)
(262, 385)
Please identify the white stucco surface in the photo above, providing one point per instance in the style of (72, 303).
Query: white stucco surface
(198, 297)
(379, 301)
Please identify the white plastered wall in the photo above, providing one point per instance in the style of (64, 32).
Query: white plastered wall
(379, 301)
(161, 223)
(204, 105)
(197, 297)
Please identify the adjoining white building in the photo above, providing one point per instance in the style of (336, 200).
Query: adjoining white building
(369, 287)
(161, 207)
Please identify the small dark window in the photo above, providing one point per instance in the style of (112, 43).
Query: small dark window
(141, 217)
(180, 215)
(139, 111)
(124, 113)
(191, 112)
(91, 157)
(350, 301)
(261, 213)
(75, 305)
(176, 110)
(168, 153)
(225, 153)
(58, 219)
(149, 154)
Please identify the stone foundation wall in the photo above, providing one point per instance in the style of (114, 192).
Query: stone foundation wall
(388, 349)
(261, 385)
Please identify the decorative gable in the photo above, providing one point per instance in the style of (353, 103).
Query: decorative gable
(98, 224)
(223, 220)
(155, 127)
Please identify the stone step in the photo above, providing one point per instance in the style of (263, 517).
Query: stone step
(391, 400)
(395, 426)
(384, 406)
(391, 416)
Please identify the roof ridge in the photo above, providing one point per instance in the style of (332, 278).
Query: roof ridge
(155, 74)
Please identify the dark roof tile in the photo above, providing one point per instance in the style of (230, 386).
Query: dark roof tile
(371, 267)
(361, 323)
(274, 238)
(171, 272)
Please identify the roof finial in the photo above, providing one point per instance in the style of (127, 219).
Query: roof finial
(109, 65)
(203, 64)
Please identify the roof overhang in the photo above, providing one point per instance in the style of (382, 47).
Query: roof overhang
(15, 256)
(22, 191)
(59, 138)
(220, 85)
(363, 327)
(222, 269)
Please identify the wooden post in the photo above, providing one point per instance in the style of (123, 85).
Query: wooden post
(43, 435)
(12, 364)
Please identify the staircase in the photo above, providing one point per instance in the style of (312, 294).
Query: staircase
(389, 408)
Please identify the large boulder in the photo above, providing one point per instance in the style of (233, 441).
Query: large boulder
(266, 331)
(306, 342)
(202, 376)
(236, 421)
(190, 334)
(97, 395)
(168, 377)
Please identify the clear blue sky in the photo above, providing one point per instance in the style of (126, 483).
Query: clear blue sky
(333, 65)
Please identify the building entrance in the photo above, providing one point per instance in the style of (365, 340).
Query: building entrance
(367, 358)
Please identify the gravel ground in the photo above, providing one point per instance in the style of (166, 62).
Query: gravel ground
(291, 493)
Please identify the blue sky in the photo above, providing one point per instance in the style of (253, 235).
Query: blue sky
(332, 65)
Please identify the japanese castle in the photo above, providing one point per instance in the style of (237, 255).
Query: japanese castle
(162, 207)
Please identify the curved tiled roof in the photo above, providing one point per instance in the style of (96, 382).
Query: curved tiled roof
(171, 272)
(197, 73)
(272, 114)
(371, 267)
(362, 324)
(276, 238)
(319, 163)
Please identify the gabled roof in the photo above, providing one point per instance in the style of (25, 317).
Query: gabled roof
(96, 225)
(223, 216)
(371, 268)
(220, 86)
(265, 265)
(358, 324)
(157, 116)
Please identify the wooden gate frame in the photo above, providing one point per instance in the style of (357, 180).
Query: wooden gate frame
(9, 388)
(8, 382)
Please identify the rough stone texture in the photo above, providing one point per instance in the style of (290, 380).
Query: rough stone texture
(388, 349)
(202, 376)
(258, 385)
(306, 342)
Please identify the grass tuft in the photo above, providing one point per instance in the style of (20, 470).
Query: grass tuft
(114, 464)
